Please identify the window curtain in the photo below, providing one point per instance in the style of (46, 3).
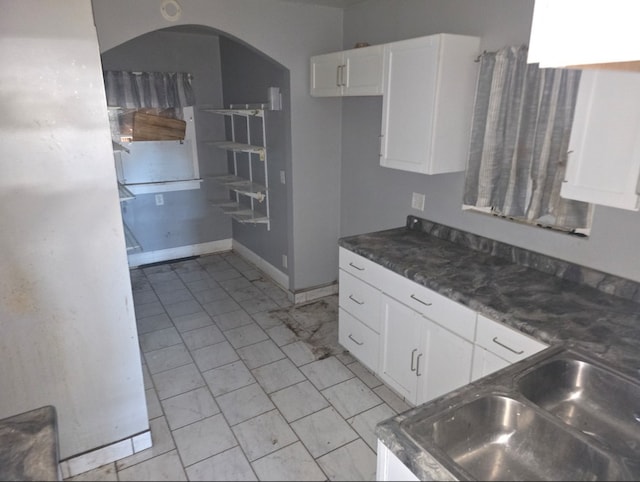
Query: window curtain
(519, 140)
(136, 90)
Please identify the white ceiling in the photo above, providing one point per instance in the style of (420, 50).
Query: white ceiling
(329, 3)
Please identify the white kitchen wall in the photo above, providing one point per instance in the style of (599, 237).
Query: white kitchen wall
(375, 198)
(68, 328)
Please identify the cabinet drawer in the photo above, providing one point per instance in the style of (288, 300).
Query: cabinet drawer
(505, 342)
(449, 314)
(360, 340)
(360, 267)
(360, 299)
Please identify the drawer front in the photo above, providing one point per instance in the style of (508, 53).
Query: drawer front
(360, 299)
(360, 340)
(360, 267)
(447, 313)
(505, 342)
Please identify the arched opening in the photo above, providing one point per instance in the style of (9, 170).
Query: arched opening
(186, 218)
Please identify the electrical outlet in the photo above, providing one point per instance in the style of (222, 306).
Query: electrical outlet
(159, 199)
(284, 260)
(283, 178)
(417, 201)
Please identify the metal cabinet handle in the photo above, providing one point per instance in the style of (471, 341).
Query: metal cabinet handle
(355, 341)
(418, 365)
(420, 301)
(413, 354)
(495, 340)
(338, 75)
(356, 301)
(356, 267)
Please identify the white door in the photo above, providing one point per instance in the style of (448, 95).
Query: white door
(409, 102)
(447, 362)
(400, 346)
(325, 75)
(363, 71)
(604, 159)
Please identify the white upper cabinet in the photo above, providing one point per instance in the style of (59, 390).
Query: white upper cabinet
(428, 94)
(350, 72)
(578, 32)
(604, 149)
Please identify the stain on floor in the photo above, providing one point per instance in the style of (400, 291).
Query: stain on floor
(315, 323)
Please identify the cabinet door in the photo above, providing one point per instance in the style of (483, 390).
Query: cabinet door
(326, 75)
(485, 362)
(428, 92)
(604, 159)
(363, 71)
(446, 364)
(410, 84)
(400, 345)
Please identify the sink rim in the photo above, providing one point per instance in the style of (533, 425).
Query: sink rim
(503, 383)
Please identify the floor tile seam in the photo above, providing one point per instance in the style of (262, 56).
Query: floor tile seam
(235, 437)
(166, 346)
(315, 459)
(174, 449)
(220, 453)
(175, 446)
(289, 445)
(220, 413)
(192, 362)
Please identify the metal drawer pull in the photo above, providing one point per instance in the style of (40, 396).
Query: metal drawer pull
(495, 340)
(418, 365)
(356, 267)
(420, 301)
(413, 354)
(356, 301)
(355, 341)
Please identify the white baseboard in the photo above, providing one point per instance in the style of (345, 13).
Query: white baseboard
(105, 455)
(148, 257)
(280, 278)
(313, 293)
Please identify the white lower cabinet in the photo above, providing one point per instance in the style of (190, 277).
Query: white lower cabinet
(419, 342)
(420, 359)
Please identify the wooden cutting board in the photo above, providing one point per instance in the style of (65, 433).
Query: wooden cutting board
(148, 127)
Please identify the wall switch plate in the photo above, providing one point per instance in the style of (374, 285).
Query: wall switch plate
(284, 260)
(417, 201)
(283, 178)
(159, 199)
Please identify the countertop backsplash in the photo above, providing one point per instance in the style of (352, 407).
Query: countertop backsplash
(607, 283)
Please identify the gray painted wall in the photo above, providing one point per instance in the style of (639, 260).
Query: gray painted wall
(69, 335)
(246, 77)
(289, 34)
(186, 217)
(378, 198)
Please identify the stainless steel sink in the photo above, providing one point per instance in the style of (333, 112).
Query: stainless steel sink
(496, 437)
(589, 398)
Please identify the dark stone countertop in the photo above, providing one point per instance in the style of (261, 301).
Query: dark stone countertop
(555, 302)
(29, 446)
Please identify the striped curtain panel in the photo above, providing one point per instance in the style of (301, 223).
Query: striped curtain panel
(136, 90)
(519, 140)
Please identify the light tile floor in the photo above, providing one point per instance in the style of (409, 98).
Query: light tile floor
(234, 394)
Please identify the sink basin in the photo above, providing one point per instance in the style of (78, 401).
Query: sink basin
(497, 437)
(589, 398)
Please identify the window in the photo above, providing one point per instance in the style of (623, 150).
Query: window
(151, 117)
(519, 141)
